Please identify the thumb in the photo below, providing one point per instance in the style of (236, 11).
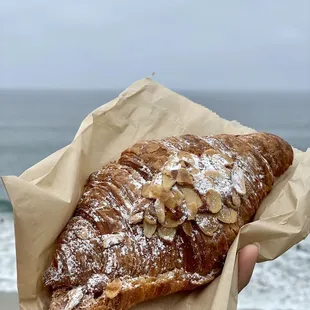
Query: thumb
(247, 259)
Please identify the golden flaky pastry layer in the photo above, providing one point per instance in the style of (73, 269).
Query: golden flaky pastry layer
(162, 218)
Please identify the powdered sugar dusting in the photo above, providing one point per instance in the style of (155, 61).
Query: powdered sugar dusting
(222, 184)
(198, 168)
(100, 244)
(74, 298)
(95, 280)
(254, 173)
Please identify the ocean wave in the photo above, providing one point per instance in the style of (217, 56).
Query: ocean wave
(5, 206)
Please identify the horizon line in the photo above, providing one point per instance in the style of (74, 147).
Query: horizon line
(177, 89)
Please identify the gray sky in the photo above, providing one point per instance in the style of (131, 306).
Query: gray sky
(189, 44)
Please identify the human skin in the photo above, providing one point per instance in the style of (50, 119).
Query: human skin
(247, 259)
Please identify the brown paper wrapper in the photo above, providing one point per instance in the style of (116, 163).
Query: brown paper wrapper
(44, 197)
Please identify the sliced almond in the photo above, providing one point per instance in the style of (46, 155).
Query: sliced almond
(160, 193)
(150, 190)
(146, 191)
(152, 147)
(82, 233)
(149, 218)
(171, 204)
(136, 218)
(149, 229)
(168, 171)
(168, 182)
(188, 228)
(184, 177)
(236, 200)
(191, 196)
(159, 163)
(110, 240)
(207, 223)
(136, 150)
(210, 152)
(167, 234)
(237, 177)
(166, 195)
(156, 190)
(173, 223)
(113, 288)
(192, 210)
(176, 201)
(160, 211)
(183, 164)
(227, 215)
(186, 157)
(214, 200)
(213, 176)
(177, 196)
(170, 223)
(229, 161)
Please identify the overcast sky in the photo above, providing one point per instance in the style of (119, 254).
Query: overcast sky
(257, 44)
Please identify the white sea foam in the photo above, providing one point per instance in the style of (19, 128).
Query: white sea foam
(7, 253)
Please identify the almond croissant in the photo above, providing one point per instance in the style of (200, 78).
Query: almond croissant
(162, 218)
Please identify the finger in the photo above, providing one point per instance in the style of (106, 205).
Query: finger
(247, 259)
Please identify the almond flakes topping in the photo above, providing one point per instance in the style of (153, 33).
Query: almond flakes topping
(113, 288)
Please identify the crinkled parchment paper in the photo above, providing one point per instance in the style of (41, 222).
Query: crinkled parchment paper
(44, 197)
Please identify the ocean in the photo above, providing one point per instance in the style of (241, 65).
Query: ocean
(34, 124)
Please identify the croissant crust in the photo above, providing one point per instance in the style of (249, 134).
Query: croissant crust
(162, 218)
